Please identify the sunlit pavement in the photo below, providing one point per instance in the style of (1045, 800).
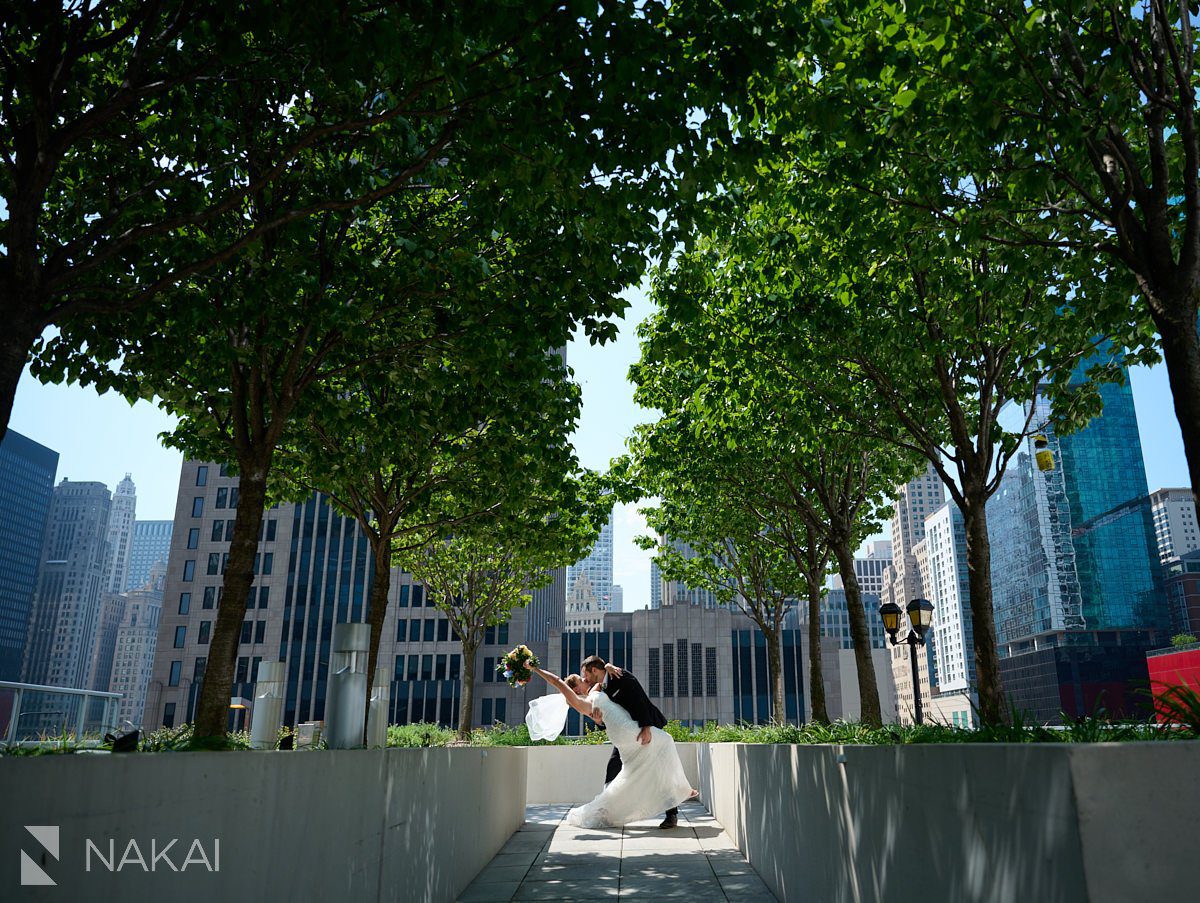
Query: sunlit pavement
(549, 860)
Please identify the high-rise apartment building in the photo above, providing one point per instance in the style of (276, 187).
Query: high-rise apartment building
(151, 546)
(597, 566)
(133, 650)
(1176, 528)
(66, 604)
(948, 589)
(121, 518)
(656, 584)
(27, 472)
(312, 571)
(915, 501)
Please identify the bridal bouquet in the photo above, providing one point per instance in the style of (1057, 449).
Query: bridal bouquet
(517, 666)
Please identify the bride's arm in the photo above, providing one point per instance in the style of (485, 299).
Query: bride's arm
(573, 699)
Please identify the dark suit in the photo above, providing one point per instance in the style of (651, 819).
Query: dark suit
(626, 692)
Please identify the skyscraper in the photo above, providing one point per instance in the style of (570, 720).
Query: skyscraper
(676, 592)
(598, 567)
(313, 570)
(949, 590)
(1077, 588)
(66, 604)
(915, 501)
(27, 472)
(1176, 528)
(656, 582)
(151, 545)
(133, 652)
(121, 519)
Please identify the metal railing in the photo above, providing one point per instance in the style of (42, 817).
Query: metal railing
(46, 709)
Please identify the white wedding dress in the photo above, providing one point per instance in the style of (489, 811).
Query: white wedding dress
(651, 779)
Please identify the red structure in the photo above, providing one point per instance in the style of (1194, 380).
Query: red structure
(1174, 667)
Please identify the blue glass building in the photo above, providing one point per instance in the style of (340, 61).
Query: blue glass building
(27, 472)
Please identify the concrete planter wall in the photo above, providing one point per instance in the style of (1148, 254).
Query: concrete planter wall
(334, 825)
(575, 774)
(1105, 823)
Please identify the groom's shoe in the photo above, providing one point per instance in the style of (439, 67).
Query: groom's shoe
(671, 821)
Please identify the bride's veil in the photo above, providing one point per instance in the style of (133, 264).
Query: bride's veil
(547, 716)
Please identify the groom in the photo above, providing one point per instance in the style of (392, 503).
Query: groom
(623, 689)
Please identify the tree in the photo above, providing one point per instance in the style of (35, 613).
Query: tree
(1082, 117)
(480, 574)
(695, 367)
(923, 347)
(144, 144)
(732, 553)
(408, 473)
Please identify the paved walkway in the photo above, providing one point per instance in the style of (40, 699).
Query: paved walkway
(549, 860)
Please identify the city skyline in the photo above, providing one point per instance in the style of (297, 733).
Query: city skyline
(124, 438)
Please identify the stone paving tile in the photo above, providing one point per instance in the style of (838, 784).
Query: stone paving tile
(549, 860)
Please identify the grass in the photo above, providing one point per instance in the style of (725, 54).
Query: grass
(1178, 705)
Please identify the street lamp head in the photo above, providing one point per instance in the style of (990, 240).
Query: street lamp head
(920, 616)
(890, 612)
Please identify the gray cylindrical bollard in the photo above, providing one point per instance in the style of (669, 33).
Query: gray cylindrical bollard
(379, 709)
(345, 714)
(267, 713)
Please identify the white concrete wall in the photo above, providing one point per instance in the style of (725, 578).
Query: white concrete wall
(998, 823)
(575, 774)
(333, 825)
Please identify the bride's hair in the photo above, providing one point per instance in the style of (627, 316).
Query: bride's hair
(573, 681)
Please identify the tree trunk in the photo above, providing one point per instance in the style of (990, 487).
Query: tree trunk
(381, 583)
(775, 671)
(16, 338)
(1181, 352)
(860, 635)
(816, 678)
(212, 713)
(467, 698)
(983, 622)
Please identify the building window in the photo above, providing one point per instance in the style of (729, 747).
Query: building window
(222, 497)
(697, 669)
(443, 630)
(210, 596)
(426, 667)
(233, 497)
(502, 634)
(193, 540)
(398, 674)
(439, 668)
(401, 631)
(264, 593)
(202, 637)
(455, 666)
(710, 671)
(243, 669)
(271, 524)
(169, 715)
(176, 669)
(218, 528)
(681, 684)
(198, 506)
(501, 706)
(185, 603)
(487, 713)
(189, 570)
(418, 592)
(429, 629)
(214, 563)
(668, 669)
(489, 669)
(247, 628)
(413, 664)
(180, 636)
(229, 530)
(404, 596)
(202, 475)
(268, 562)
(260, 631)
(654, 677)
(489, 636)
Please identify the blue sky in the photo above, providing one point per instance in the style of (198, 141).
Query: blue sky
(103, 437)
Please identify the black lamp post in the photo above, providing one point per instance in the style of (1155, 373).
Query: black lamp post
(920, 616)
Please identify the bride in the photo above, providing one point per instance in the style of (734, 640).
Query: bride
(651, 779)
